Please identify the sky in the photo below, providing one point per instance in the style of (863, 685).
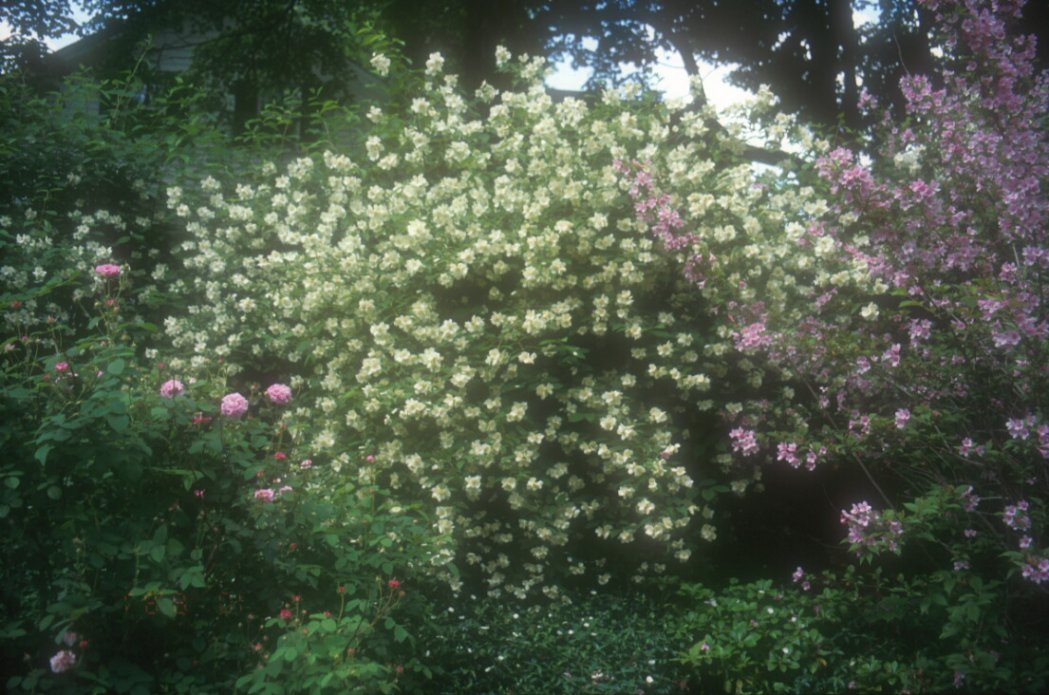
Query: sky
(672, 79)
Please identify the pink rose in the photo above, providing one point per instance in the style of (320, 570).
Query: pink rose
(265, 494)
(234, 405)
(279, 394)
(63, 661)
(172, 388)
(108, 270)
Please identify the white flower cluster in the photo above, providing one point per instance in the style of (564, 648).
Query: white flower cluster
(484, 324)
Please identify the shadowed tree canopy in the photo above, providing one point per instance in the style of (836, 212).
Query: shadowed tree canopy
(809, 52)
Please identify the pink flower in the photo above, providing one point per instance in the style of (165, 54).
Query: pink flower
(280, 456)
(902, 417)
(394, 583)
(286, 614)
(108, 270)
(752, 337)
(265, 494)
(306, 463)
(788, 451)
(234, 405)
(744, 441)
(63, 661)
(1017, 428)
(62, 367)
(279, 394)
(172, 388)
(1015, 516)
(1037, 573)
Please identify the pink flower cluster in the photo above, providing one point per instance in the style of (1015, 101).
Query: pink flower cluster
(234, 405)
(279, 394)
(172, 388)
(1036, 570)
(269, 495)
(744, 441)
(1019, 428)
(752, 337)
(799, 578)
(1015, 516)
(63, 661)
(788, 451)
(869, 531)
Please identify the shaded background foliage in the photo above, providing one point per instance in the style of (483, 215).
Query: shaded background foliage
(808, 51)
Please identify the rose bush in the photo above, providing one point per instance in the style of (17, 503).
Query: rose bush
(140, 558)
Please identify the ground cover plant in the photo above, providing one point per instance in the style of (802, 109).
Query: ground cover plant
(481, 396)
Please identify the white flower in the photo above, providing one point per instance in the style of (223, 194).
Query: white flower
(381, 64)
(434, 64)
(502, 56)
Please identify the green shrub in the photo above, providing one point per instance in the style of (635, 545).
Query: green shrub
(597, 643)
(865, 631)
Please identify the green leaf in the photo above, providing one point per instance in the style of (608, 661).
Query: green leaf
(290, 654)
(42, 452)
(119, 423)
(116, 367)
(399, 634)
(54, 492)
(167, 607)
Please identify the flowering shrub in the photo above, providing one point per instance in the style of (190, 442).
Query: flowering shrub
(932, 372)
(143, 552)
(482, 323)
(540, 389)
